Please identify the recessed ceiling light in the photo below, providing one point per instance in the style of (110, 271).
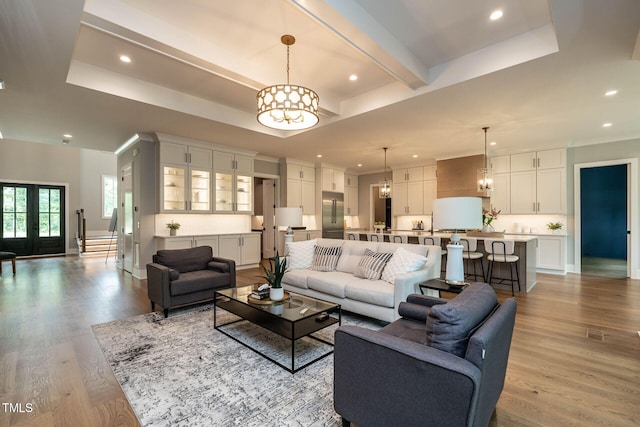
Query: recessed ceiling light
(607, 125)
(68, 135)
(415, 156)
(610, 92)
(353, 77)
(1, 135)
(125, 58)
(495, 15)
(319, 155)
(1, 84)
(492, 143)
(359, 165)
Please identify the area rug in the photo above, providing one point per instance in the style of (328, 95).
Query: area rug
(180, 371)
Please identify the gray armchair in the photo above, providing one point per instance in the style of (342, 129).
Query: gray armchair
(443, 363)
(185, 276)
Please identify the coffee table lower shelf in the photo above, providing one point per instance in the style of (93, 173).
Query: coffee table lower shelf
(289, 329)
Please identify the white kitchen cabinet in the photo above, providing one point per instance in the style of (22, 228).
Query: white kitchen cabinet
(207, 241)
(538, 183)
(301, 172)
(244, 249)
(408, 174)
(501, 194)
(351, 201)
(551, 192)
(332, 180)
(184, 242)
(238, 163)
(350, 194)
(552, 253)
(430, 173)
(185, 178)
(500, 164)
(523, 192)
(407, 198)
(300, 188)
(546, 159)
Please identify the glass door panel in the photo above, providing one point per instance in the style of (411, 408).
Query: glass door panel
(200, 191)
(224, 192)
(49, 212)
(244, 195)
(14, 213)
(174, 182)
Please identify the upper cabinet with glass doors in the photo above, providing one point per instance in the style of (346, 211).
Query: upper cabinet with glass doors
(233, 191)
(185, 178)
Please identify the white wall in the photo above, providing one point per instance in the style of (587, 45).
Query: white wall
(30, 162)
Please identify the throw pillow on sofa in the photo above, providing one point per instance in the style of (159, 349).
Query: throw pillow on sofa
(300, 254)
(402, 262)
(371, 265)
(325, 258)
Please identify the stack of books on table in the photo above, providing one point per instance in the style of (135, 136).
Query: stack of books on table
(263, 294)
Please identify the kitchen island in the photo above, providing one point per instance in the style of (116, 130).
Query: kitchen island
(525, 249)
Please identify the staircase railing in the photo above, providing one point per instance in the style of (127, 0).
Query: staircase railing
(82, 229)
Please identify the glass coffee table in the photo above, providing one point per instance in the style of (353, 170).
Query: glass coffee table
(295, 317)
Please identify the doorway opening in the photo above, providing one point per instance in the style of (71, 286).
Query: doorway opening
(380, 208)
(265, 201)
(33, 219)
(606, 196)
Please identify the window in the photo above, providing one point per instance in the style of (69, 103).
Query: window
(14, 218)
(49, 212)
(109, 195)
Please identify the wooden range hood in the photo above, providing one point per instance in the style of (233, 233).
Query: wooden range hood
(457, 177)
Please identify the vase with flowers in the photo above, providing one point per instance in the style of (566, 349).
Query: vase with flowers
(488, 216)
(173, 226)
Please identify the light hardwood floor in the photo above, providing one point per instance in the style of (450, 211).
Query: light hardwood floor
(558, 374)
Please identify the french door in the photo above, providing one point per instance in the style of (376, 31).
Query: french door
(33, 219)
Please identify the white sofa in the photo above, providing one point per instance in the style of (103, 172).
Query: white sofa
(374, 298)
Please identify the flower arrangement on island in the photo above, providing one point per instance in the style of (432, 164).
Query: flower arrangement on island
(488, 216)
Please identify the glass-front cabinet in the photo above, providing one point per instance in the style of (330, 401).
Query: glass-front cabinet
(234, 193)
(244, 194)
(224, 192)
(200, 191)
(173, 185)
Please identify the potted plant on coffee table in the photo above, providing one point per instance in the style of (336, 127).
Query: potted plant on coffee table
(273, 276)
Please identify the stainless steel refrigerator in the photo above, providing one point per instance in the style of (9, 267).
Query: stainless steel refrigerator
(332, 215)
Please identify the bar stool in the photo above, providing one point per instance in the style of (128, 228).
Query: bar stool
(502, 251)
(375, 237)
(353, 236)
(469, 247)
(12, 257)
(399, 238)
(436, 241)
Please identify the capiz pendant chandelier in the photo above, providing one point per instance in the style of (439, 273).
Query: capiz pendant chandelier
(287, 106)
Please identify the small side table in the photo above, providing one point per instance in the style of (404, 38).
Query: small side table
(440, 286)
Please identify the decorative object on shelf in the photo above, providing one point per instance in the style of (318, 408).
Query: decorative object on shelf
(488, 216)
(289, 217)
(173, 227)
(555, 227)
(287, 106)
(456, 213)
(274, 274)
(485, 175)
(385, 185)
